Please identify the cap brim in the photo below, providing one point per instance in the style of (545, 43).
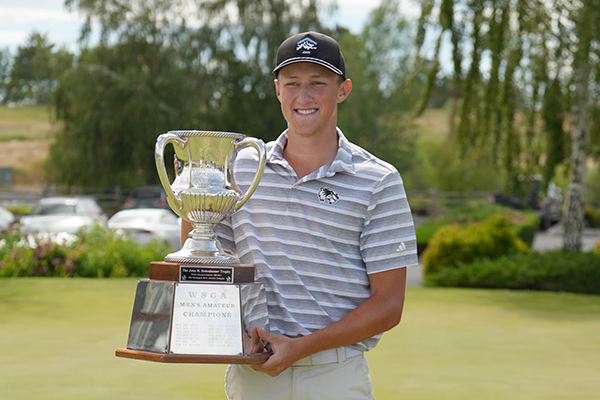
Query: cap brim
(309, 60)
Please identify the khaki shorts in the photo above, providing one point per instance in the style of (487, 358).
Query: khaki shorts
(346, 379)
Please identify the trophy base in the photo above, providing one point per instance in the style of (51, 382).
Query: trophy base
(257, 358)
(193, 314)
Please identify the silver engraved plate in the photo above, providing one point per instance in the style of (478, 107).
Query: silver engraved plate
(207, 319)
(204, 192)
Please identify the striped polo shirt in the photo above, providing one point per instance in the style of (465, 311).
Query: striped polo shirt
(314, 241)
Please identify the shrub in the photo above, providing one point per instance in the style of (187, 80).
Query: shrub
(36, 255)
(94, 253)
(592, 217)
(524, 223)
(451, 244)
(425, 232)
(565, 271)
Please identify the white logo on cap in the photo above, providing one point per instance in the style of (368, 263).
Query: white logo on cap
(306, 46)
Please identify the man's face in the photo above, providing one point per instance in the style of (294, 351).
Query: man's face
(309, 95)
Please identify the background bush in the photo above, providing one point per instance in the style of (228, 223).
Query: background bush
(592, 217)
(94, 253)
(491, 238)
(562, 271)
(524, 223)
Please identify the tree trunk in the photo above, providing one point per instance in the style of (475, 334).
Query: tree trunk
(573, 219)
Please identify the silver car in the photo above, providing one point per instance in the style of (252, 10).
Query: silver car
(146, 224)
(63, 214)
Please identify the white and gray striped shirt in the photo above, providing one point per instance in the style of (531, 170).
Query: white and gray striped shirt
(314, 240)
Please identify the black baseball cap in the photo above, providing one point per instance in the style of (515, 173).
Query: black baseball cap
(312, 47)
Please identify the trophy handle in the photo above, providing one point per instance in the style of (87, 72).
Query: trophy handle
(159, 158)
(259, 146)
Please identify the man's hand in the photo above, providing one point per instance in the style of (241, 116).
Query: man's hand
(285, 353)
(252, 343)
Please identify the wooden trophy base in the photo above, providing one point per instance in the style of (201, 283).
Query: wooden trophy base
(257, 358)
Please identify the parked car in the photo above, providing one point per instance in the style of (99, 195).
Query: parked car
(527, 194)
(63, 214)
(6, 219)
(149, 196)
(146, 224)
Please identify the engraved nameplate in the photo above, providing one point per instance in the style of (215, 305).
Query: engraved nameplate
(199, 273)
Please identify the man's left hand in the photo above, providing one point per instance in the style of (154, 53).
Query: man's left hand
(284, 355)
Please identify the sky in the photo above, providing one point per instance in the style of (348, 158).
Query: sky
(19, 18)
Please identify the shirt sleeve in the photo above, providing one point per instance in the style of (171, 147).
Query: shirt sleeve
(388, 240)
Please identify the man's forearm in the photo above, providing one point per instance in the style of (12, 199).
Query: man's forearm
(381, 312)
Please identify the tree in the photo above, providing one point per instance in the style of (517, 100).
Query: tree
(378, 61)
(155, 71)
(30, 77)
(524, 57)
(4, 72)
(588, 35)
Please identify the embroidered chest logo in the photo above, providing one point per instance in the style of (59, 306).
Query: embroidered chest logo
(306, 46)
(328, 196)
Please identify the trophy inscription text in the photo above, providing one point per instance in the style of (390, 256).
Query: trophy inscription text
(206, 321)
(193, 273)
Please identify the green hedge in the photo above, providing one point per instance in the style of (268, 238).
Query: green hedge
(564, 271)
(95, 253)
(592, 217)
(451, 244)
(524, 223)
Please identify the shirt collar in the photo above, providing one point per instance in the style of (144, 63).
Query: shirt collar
(341, 163)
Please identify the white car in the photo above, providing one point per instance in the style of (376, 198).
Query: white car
(146, 224)
(6, 219)
(63, 214)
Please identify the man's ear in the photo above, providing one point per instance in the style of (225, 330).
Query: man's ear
(344, 90)
(277, 89)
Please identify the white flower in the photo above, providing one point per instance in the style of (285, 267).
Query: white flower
(60, 238)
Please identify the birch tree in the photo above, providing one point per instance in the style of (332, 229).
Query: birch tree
(515, 86)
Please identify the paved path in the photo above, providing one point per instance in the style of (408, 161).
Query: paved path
(553, 239)
(550, 239)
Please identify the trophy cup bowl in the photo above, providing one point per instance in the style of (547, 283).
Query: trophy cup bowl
(204, 192)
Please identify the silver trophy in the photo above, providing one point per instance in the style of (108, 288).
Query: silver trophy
(204, 192)
(170, 322)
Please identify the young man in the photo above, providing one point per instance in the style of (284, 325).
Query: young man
(329, 231)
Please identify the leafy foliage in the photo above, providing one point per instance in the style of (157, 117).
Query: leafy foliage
(164, 65)
(564, 271)
(592, 217)
(155, 71)
(452, 244)
(538, 56)
(95, 253)
(31, 72)
(374, 115)
(524, 223)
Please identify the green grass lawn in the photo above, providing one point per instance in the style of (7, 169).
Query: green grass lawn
(58, 339)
